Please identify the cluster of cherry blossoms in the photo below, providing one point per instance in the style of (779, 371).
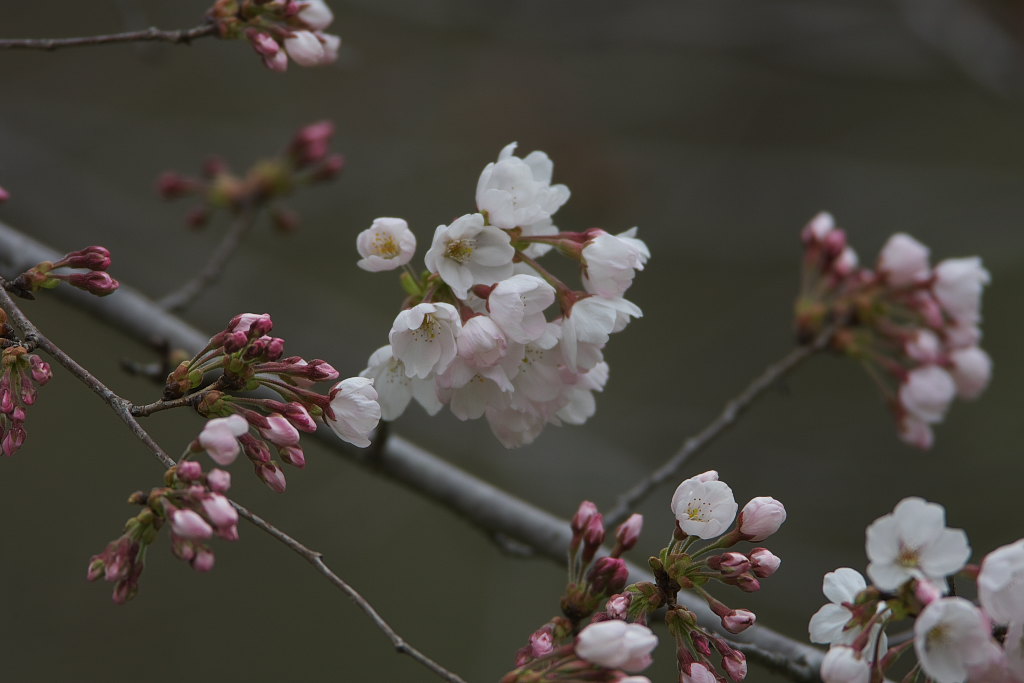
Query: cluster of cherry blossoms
(248, 358)
(307, 160)
(194, 504)
(914, 326)
(475, 332)
(616, 642)
(280, 29)
(21, 373)
(913, 558)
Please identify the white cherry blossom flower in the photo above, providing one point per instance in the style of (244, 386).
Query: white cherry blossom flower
(356, 411)
(843, 664)
(958, 286)
(1014, 647)
(387, 244)
(468, 253)
(610, 262)
(616, 644)
(517, 306)
(924, 346)
(1001, 583)
(590, 322)
(304, 48)
(315, 14)
(951, 636)
(904, 261)
(704, 508)
(423, 338)
(395, 388)
(913, 543)
(760, 518)
(971, 370)
(829, 624)
(518, 192)
(927, 393)
(581, 404)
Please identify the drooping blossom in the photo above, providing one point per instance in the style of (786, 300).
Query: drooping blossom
(913, 543)
(355, 410)
(220, 438)
(616, 644)
(610, 262)
(423, 338)
(395, 388)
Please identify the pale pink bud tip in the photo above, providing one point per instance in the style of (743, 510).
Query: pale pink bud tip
(188, 524)
(4, 195)
(629, 531)
(738, 620)
(764, 562)
(582, 517)
(761, 517)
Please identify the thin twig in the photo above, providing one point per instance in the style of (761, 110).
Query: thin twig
(124, 410)
(316, 559)
(469, 498)
(732, 410)
(158, 406)
(151, 34)
(187, 293)
(119, 405)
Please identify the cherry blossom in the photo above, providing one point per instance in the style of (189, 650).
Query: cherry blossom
(971, 370)
(518, 192)
(610, 262)
(355, 410)
(843, 664)
(831, 624)
(951, 635)
(220, 438)
(760, 518)
(927, 393)
(913, 543)
(904, 261)
(617, 645)
(423, 337)
(395, 388)
(468, 252)
(1001, 583)
(517, 306)
(958, 286)
(387, 244)
(704, 508)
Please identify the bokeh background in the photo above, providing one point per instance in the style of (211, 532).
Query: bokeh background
(717, 127)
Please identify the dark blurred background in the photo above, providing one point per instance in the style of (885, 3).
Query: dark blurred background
(718, 127)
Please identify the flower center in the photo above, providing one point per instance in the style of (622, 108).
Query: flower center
(427, 331)
(908, 557)
(697, 510)
(460, 250)
(384, 245)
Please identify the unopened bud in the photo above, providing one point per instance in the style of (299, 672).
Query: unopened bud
(293, 455)
(730, 563)
(608, 575)
(628, 532)
(735, 664)
(219, 481)
(41, 371)
(95, 282)
(93, 258)
(190, 470)
(763, 562)
(747, 583)
(272, 476)
(4, 195)
(593, 536)
(760, 518)
(285, 220)
(738, 620)
(329, 168)
(189, 525)
(203, 560)
(171, 185)
(582, 517)
(701, 643)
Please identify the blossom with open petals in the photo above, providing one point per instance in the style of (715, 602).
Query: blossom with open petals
(387, 244)
(220, 438)
(469, 252)
(704, 508)
(913, 543)
(843, 664)
(518, 192)
(830, 624)
(1001, 583)
(951, 636)
(423, 338)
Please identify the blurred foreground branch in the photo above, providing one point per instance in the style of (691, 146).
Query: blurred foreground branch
(470, 498)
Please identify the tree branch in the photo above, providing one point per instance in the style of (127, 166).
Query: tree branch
(187, 293)
(469, 497)
(123, 409)
(726, 419)
(151, 34)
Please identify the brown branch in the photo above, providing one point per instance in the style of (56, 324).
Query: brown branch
(316, 559)
(726, 419)
(187, 293)
(151, 34)
(124, 408)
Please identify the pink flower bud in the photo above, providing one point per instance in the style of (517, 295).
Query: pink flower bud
(299, 417)
(819, 226)
(14, 440)
(93, 258)
(190, 470)
(95, 282)
(41, 371)
(255, 449)
(764, 562)
(738, 620)
(330, 167)
(274, 348)
(263, 43)
(926, 591)
(701, 643)
(220, 438)
(927, 392)
(972, 370)
(171, 185)
(321, 371)
(272, 476)
(916, 432)
(304, 48)
(219, 510)
(279, 431)
(203, 561)
(904, 261)
(219, 481)
(617, 606)
(735, 664)
(747, 583)
(760, 518)
(189, 525)
(582, 517)
(729, 563)
(541, 642)
(629, 532)
(608, 575)
(698, 673)
(4, 195)
(293, 455)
